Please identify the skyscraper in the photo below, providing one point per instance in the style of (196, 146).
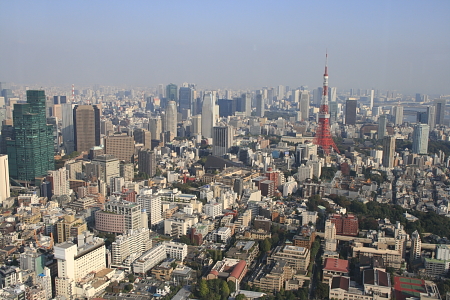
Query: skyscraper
(155, 127)
(382, 122)
(420, 139)
(196, 125)
(208, 120)
(247, 100)
(4, 178)
(259, 105)
(388, 151)
(350, 112)
(372, 94)
(143, 136)
(147, 162)
(418, 97)
(172, 92)
(86, 123)
(170, 120)
(431, 116)
(440, 111)
(304, 105)
(397, 111)
(31, 152)
(222, 140)
(185, 99)
(121, 146)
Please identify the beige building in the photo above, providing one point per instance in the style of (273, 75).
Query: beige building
(69, 226)
(295, 257)
(276, 279)
(120, 146)
(86, 123)
(391, 258)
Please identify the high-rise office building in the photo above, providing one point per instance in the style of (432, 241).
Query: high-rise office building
(388, 151)
(155, 127)
(185, 99)
(259, 105)
(208, 119)
(196, 125)
(172, 92)
(170, 120)
(372, 95)
(247, 102)
(143, 136)
(4, 178)
(121, 146)
(418, 97)
(334, 111)
(431, 116)
(67, 129)
(382, 123)
(422, 117)
(31, 152)
(147, 162)
(332, 94)
(350, 112)
(420, 139)
(440, 111)
(397, 112)
(227, 107)
(104, 167)
(304, 105)
(59, 180)
(222, 140)
(86, 123)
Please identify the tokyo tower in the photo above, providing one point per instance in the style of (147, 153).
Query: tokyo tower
(323, 136)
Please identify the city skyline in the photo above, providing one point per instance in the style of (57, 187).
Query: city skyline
(378, 45)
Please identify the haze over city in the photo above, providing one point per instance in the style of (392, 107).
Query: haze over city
(388, 45)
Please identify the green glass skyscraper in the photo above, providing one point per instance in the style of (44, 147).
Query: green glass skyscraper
(172, 92)
(31, 151)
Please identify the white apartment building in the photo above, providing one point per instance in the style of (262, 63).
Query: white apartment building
(45, 281)
(178, 226)
(60, 182)
(222, 234)
(309, 216)
(304, 172)
(175, 250)
(213, 209)
(149, 259)
(76, 261)
(135, 241)
(152, 204)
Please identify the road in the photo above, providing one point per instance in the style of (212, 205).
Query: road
(312, 282)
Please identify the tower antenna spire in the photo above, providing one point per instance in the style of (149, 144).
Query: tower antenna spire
(323, 135)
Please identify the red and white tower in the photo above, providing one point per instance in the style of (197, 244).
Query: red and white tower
(323, 136)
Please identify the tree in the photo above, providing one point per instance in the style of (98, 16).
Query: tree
(240, 297)
(203, 288)
(224, 290)
(131, 278)
(231, 286)
(265, 245)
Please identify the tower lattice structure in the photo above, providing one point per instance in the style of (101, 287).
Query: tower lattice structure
(323, 134)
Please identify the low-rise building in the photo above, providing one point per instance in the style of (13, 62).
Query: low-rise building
(296, 257)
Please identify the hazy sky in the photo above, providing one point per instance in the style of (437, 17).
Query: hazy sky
(401, 45)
